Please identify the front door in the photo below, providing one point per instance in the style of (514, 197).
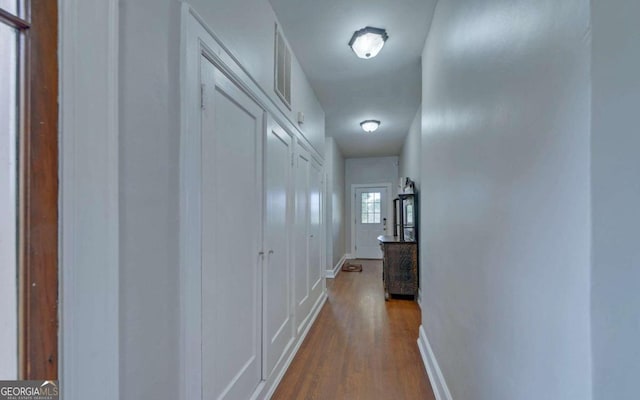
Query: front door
(370, 220)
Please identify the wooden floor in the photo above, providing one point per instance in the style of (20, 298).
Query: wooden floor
(360, 347)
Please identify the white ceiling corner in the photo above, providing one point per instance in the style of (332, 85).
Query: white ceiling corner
(350, 89)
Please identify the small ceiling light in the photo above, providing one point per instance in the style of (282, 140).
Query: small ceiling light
(367, 42)
(369, 125)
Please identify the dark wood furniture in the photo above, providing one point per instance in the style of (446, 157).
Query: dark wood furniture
(396, 216)
(399, 266)
(400, 252)
(404, 217)
(407, 225)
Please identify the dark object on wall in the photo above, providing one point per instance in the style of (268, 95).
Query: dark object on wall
(406, 186)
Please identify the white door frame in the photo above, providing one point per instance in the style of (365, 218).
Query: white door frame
(355, 186)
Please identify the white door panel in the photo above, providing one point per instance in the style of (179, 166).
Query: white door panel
(371, 207)
(232, 126)
(301, 240)
(315, 232)
(278, 333)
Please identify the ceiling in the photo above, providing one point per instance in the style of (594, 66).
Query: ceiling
(386, 88)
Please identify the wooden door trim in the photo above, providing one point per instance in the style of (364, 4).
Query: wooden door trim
(38, 221)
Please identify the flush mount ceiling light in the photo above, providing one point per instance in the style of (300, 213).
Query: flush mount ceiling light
(369, 125)
(367, 42)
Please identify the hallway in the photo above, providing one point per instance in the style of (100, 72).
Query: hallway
(181, 180)
(360, 346)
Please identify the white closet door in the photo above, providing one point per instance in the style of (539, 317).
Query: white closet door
(301, 240)
(232, 126)
(315, 230)
(278, 326)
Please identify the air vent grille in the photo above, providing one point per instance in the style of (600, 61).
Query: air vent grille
(282, 74)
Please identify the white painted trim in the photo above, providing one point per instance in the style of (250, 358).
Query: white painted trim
(319, 284)
(419, 300)
(274, 385)
(332, 273)
(355, 186)
(323, 222)
(439, 385)
(190, 245)
(89, 199)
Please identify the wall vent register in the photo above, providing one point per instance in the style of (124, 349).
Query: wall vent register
(282, 75)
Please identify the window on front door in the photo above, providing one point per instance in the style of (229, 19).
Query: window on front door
(370, 207)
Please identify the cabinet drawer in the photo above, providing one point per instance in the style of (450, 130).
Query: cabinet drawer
(400, 266)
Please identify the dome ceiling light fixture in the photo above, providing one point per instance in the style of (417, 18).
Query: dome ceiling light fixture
(367, 42)
(370, 125)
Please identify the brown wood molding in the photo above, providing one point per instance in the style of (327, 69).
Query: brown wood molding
(39, 197)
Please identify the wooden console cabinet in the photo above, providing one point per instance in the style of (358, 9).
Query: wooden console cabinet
(400, 252)
(399, 266)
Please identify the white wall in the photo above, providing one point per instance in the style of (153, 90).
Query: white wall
(615, 188)
(149, 185)
(149, 151)
(334, 168)
(367, 170)
(505, 187)
(409, 160)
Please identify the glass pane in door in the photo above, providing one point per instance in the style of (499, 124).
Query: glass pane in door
(10, 6)
(370, 207)
(8, 200)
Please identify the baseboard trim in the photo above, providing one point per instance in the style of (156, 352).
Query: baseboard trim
(312, 319)
(332, 273)
(440, 388)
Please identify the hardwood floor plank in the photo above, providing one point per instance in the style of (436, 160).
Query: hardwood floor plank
(360, 346)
